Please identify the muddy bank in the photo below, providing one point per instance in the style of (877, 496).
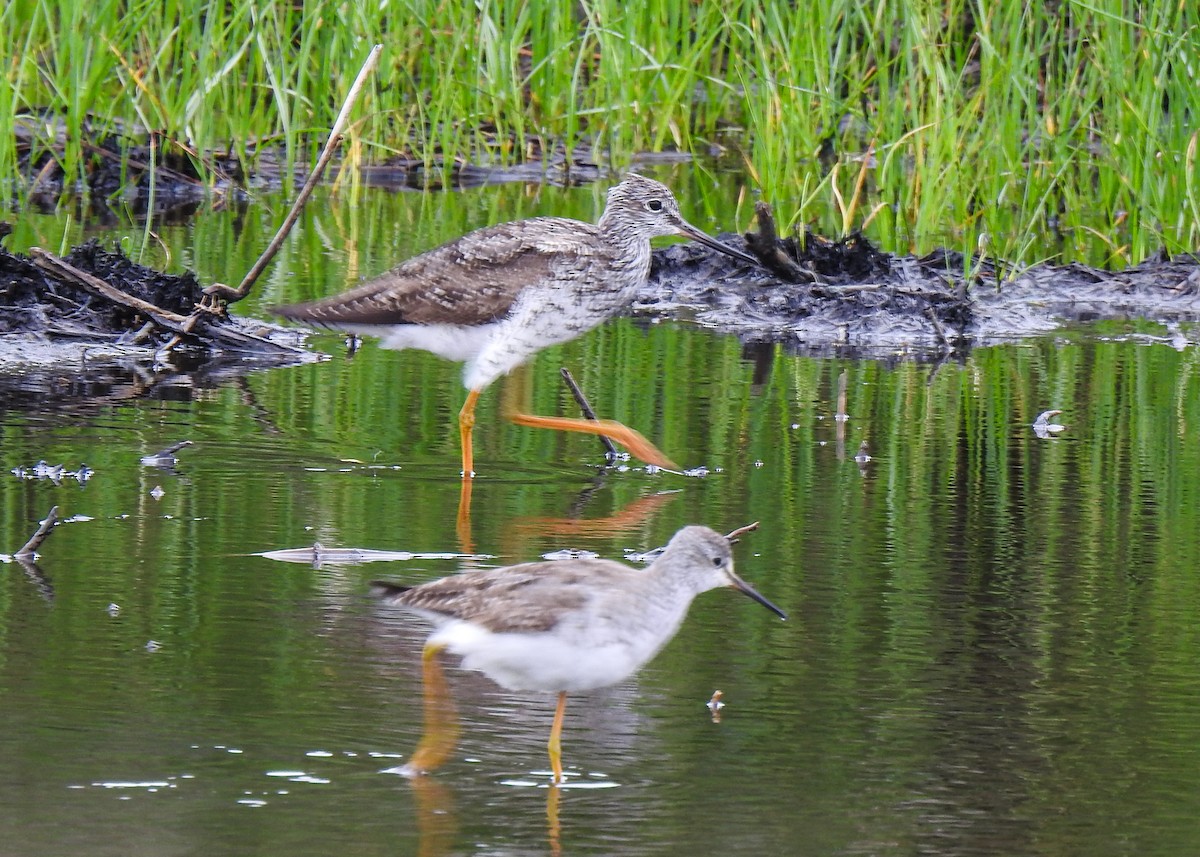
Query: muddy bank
(814, 296)
(151, 171)
(821, 296)
(96, 326)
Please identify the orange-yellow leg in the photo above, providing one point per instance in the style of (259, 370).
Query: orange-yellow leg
(555, 744)
(637, 445)
(440, 734)
(466, 422)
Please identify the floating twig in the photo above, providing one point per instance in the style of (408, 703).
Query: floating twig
(172, 449)
(165, 457)
(29, 551)
(318, 554)
(1043, 428)
(741, 531)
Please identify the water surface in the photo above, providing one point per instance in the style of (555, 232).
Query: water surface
(992, 644)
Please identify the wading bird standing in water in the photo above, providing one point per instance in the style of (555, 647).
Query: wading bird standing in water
(496, 296)
(561, 626)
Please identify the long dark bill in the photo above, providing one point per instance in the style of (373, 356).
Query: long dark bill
(745, 587)
(707, 240)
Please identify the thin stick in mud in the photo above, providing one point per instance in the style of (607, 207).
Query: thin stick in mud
(222, 292)
(175, 323)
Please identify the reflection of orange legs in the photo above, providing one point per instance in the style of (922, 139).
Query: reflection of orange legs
(555, 744)
(466, 422)
(437, 820)
(463, 526)
(553, 827)
(441, 718)
(637, 445)
(632, 440)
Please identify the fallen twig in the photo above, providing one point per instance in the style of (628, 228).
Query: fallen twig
(937, 327)
(29, 551)
(765, 245)
(173, 322)
(47, 261)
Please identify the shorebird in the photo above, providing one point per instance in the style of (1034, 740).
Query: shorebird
(496, 296)
(563, 626)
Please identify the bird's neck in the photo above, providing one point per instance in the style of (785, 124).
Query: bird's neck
(678, 588)
(630, 249)
(619, 230)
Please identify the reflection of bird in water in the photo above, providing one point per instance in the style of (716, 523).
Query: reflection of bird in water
(565, 626)
(496, 296)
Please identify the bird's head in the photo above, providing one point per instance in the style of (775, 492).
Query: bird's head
(644, 208)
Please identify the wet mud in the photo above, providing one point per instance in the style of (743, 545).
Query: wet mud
(63, 344)
(820, 296)
(151, 171)
(36, 302)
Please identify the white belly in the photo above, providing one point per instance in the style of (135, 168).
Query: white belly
(544, 661)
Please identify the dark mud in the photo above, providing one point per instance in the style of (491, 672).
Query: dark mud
(35, 302)
(819, 296)
(811, 294)
(62, 342)
(150, 171)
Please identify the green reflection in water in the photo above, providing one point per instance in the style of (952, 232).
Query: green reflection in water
(986, 627)
(992, 644)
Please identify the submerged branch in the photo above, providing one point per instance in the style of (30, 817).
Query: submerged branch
(585, 406)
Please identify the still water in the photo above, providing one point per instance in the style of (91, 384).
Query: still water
(992, 644)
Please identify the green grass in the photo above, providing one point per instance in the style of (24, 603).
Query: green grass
(955, 123)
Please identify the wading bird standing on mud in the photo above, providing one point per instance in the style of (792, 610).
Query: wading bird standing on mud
(496, 296)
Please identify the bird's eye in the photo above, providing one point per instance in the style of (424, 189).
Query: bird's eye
(654, 205)
(718, 561)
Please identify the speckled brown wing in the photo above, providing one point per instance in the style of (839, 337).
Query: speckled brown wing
(527, 598)
(470, 281)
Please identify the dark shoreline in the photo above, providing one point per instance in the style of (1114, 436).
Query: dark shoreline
(816, 296)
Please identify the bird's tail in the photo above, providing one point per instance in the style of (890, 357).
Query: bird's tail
(387, 591)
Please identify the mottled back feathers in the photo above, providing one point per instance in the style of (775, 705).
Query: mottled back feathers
(528, 598)
(473, 280)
